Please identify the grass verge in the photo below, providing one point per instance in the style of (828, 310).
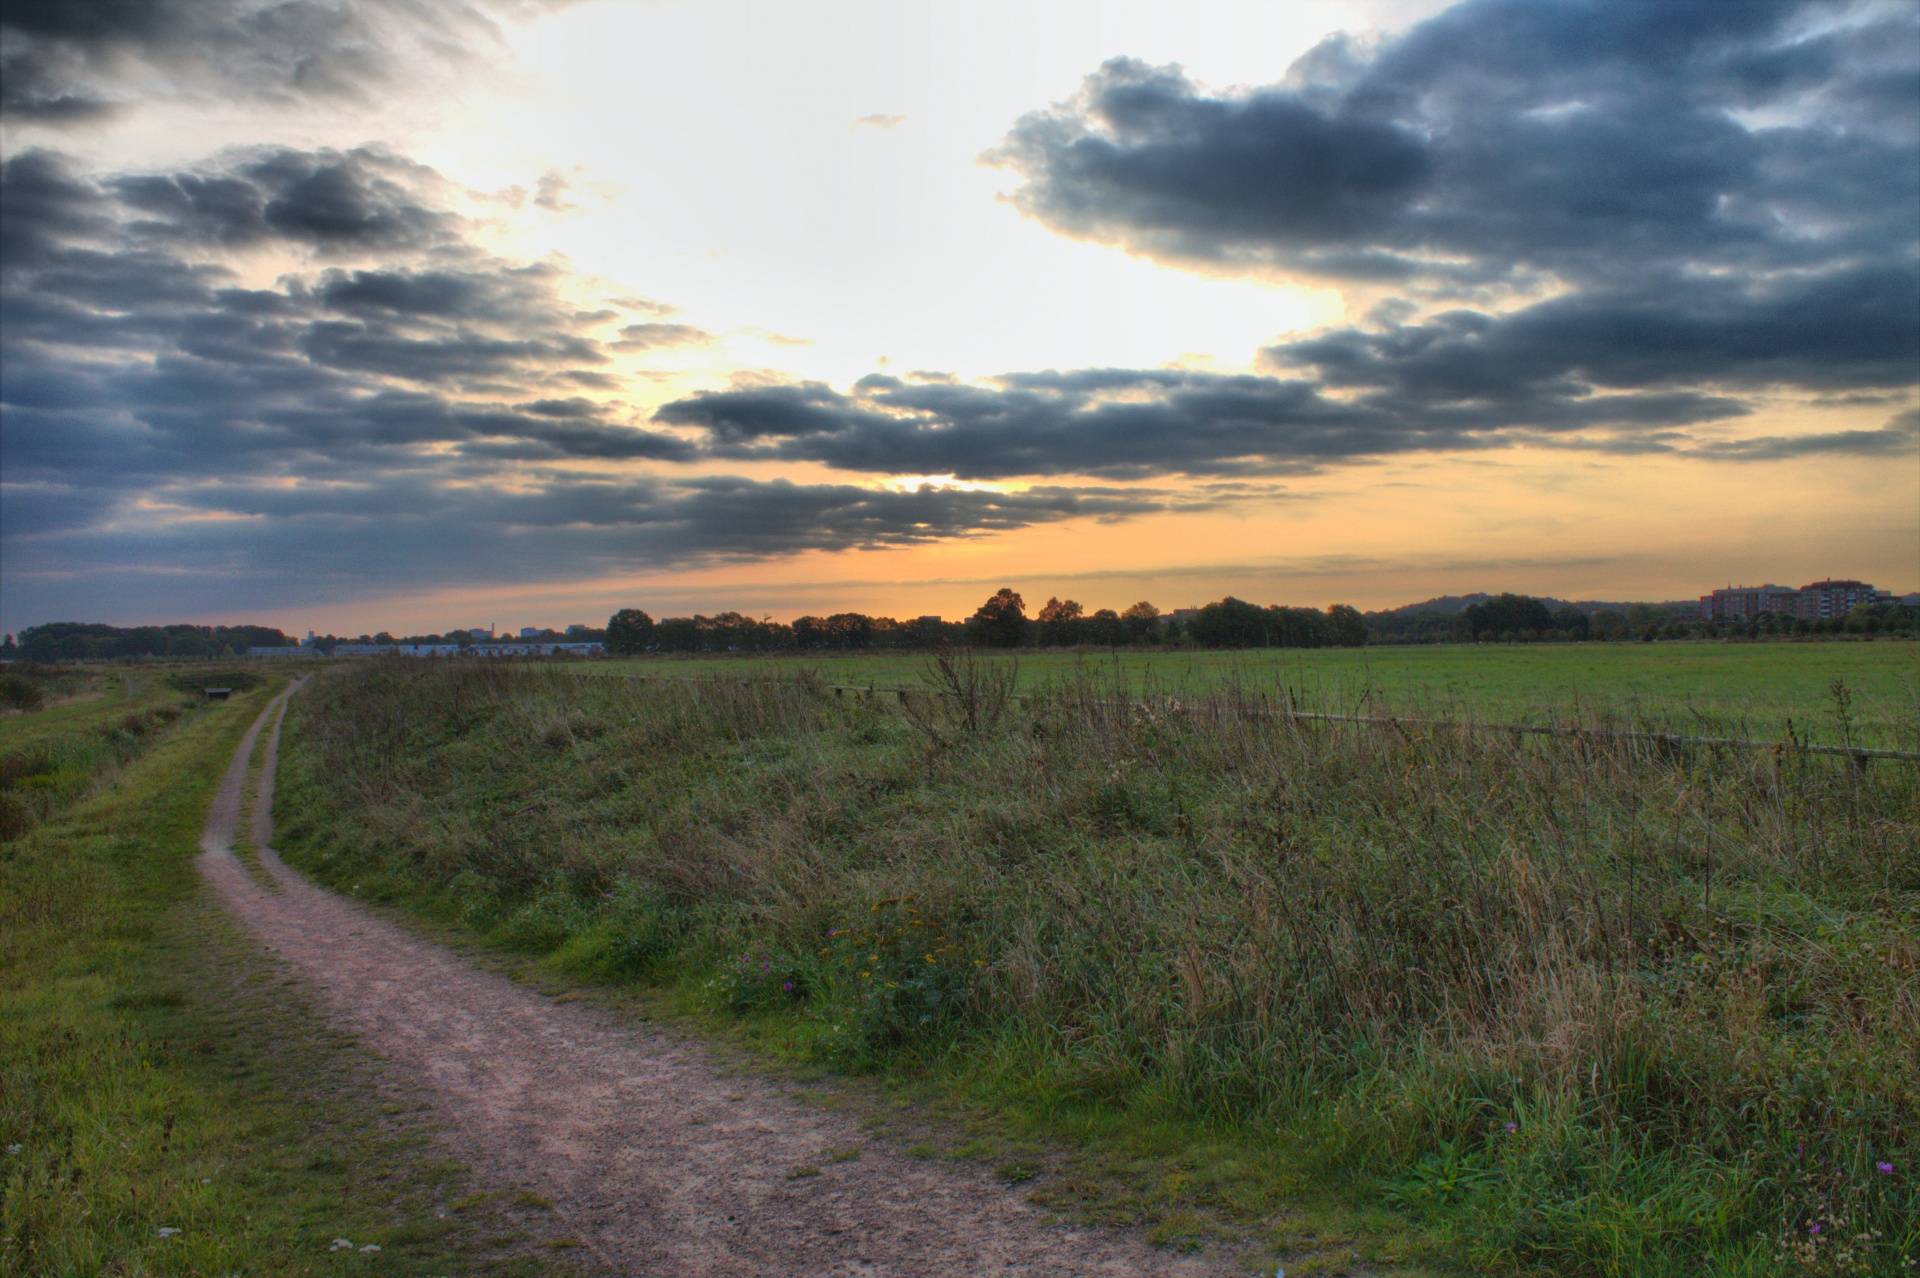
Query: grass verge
(1566, 1007)
(170, 1102)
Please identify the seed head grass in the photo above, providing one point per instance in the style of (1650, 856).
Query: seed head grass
(1564, 1004)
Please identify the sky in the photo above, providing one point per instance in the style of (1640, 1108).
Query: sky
(349, 315)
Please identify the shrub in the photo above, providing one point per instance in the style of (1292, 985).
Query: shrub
(17, 692)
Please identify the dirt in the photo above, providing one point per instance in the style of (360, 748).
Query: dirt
(661, 1162)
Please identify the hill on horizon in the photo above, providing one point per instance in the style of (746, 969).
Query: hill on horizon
(1450, 605)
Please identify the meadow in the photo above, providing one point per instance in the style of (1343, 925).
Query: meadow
(1735, 689)
(1557, 1005)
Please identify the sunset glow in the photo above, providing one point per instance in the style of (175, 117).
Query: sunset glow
(539, 311)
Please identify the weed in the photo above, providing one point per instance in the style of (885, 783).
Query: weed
(1347, 956)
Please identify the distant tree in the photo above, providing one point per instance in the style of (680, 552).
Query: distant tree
(1572, 622)
(1104, 628)
(629, 631)
(1231, 623)
(1346, 627)
(1606, 624)
(1140, 623)
(1060, 624)
(1002, 620)
(1508, 614)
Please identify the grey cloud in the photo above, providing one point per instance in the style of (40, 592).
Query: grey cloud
(1134, 423)
(643, 337)
(1900, 437)
(416, 418)
(306, 544)
(1713, 198)
(1587, 139)
(130, 359)
(74, 61)
(361, 199)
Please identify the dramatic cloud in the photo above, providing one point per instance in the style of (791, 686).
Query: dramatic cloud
(1505, 136)
(129, 353)
(1706, 196)
(1625, 226)
(305, 542)
(1133, 423)
(74, 61)
(415, 418)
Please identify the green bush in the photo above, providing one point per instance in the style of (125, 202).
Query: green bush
(17, 692)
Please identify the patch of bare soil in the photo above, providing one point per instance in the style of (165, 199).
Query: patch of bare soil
(660, 1165)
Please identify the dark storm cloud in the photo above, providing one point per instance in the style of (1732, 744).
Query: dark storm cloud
(1133, 424)
(280, 544)
(74, 61)
(356, 200)
(1712, 197)
(415, 416)
(134, 359)
(1508, 134)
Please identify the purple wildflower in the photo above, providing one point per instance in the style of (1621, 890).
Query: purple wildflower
(787, 986)
(1886, 1169)
(1814, 1228)
(1513, 1127)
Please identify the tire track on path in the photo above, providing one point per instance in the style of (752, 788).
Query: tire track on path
(663, 1167)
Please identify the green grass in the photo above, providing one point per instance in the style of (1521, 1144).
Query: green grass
(158, 1072)
(104, 706)
(1734, 688)
(1536, 1005)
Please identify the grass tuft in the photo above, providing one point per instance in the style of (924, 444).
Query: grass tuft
(1565, 1005)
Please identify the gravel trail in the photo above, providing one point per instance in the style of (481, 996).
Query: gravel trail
(662, 1166)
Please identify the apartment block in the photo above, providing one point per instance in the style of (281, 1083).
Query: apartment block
(1743, 603)
(1817, 601)
(1830, 598)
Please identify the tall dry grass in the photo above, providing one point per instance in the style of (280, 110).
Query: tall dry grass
(1598, 1007)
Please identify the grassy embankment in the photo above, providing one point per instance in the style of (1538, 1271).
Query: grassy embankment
(53, 757)
(1740, 689)
(158, 1073)
(1567, 1007)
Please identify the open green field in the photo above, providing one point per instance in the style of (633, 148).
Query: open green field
(1737, 689)
(1540, 1006)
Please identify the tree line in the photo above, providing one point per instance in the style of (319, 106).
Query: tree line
(1511, 618)
(1001, 622)
(88, 641)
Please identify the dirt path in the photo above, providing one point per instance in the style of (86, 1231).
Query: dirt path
(663, 1167)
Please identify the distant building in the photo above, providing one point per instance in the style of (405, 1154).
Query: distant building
(532, 632)
(578, 630)
(1830, 598)
(1744, 603)
(288, 650)
(537, 648)
(1818, 601)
